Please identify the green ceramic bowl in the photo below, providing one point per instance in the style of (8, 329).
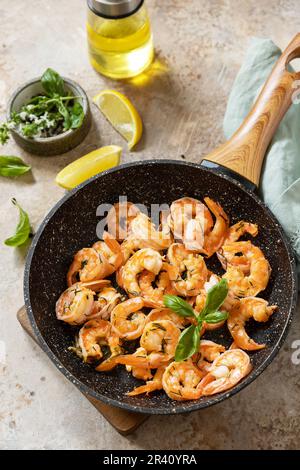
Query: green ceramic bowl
(50, 145)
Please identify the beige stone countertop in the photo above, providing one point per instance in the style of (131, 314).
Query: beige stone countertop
(199, 48)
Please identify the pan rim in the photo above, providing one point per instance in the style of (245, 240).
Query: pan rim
(177, 409)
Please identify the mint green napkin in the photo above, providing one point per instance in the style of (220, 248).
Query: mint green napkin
(280, 182)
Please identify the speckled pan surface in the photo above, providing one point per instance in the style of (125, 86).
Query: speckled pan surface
(71, 224)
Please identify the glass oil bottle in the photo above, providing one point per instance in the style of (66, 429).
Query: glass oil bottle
(119, 37)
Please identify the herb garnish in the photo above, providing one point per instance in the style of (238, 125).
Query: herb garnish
(189, 340)
(48, 114)
(12, 166)
(23, 230)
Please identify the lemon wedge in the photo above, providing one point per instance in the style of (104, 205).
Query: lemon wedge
(89, 165)
(121, 113)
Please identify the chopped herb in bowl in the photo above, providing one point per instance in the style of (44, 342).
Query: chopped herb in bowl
(46, 115)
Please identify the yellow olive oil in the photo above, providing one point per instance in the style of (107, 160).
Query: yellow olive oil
(120, 47)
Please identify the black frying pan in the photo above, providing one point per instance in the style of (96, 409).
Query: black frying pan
(71, 224)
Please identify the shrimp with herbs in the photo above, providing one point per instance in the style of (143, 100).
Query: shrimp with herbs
(110, 253)
(247, 284)
(160, 336)
(144, 259)
(181, 381)
(208, 352)
(235, 232)
(248, 307)
(226, 371)
(76, 304)
(128, 247)
(154, 287)
(188, 270)
(96, 263)
(214, 239)
(159, 340)
(158, 314)
(93, 336)
(127, 319)
(143, 230)
(105, 302)
(86, 266)
(190, 221)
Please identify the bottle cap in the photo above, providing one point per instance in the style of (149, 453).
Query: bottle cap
(114, 8)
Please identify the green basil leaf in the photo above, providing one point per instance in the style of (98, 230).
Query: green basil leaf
(76, 115)
(188, 343)
(12, 166)
(215, 297)
(216, 317)
(63, 110)
(180, 306)
(23, 229)
(53, 83)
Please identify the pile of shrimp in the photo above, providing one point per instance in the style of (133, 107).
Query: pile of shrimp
(116, 289)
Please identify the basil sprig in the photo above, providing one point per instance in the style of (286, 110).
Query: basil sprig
(23, 230)
(189, 340)
(12, 166)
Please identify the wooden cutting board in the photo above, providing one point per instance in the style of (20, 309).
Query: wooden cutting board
(125, 422)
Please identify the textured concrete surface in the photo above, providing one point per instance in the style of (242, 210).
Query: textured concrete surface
(182, 99)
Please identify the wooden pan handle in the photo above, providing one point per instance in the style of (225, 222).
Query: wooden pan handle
(245, 151)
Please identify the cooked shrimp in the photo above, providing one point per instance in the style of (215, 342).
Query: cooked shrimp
(143, 259)
(213, 240)
(144, 232)
(119, 219)
(208, 352)
(129, 246)
(189, 270)
(75, 304)
(154, 287)
(110, 253)
(233, 235)
(159, 339)
(244, 285)
(142, 373)
(181, 381)
(236, 231)
(151, 385)
(127, 319)
(98, 262)
(86, 266)
(165, 314)
(160, 336)
(190, 220)
(249, 307)
(95, 334)
(226, 371)
(106, 301)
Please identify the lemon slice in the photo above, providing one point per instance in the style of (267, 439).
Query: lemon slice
(89, 165)
(121, 114)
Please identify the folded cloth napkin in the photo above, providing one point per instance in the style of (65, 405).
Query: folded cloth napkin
(280, 182)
